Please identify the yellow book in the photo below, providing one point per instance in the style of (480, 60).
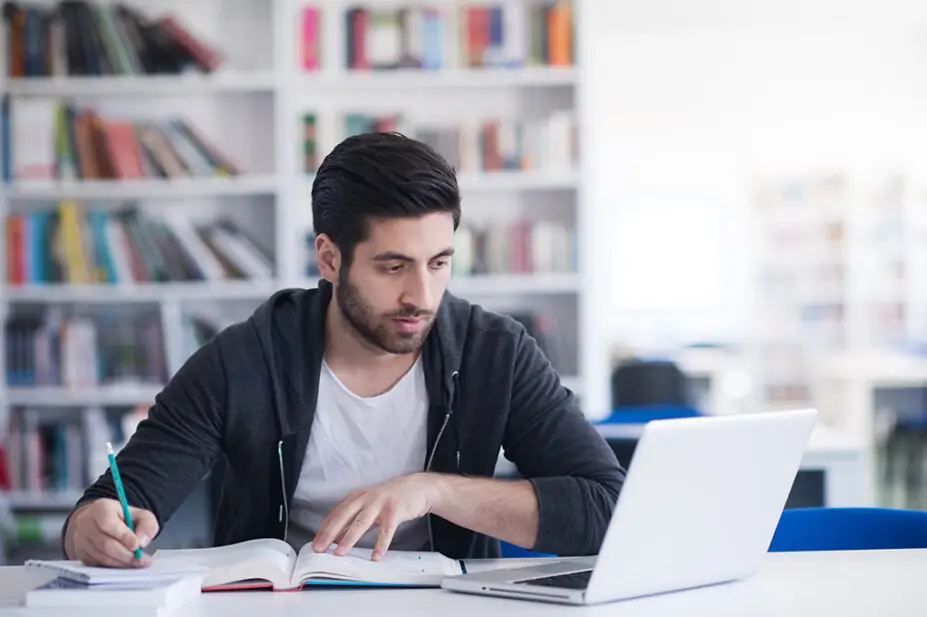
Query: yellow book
(72, 235)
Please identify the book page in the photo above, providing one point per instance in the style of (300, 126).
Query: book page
(264, 559)
(395, 567)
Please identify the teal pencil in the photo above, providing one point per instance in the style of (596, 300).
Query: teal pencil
(117, 480)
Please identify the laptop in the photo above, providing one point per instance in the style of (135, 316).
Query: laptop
(699, 507)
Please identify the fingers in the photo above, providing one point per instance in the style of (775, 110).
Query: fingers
(115, 527)
(358, 527)
(388, 524)
(334, 524)
(97, 535)
(90, 555)
(146, 526)
(109, 551)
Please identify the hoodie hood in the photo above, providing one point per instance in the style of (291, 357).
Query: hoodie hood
(290, 326)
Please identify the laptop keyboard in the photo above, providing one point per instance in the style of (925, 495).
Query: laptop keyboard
(573, 580)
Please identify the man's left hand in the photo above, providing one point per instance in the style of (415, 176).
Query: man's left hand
(387, 505)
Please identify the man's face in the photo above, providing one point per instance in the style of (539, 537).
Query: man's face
(392, 290)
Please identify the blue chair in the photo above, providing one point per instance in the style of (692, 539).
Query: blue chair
(649, 413)
(510, 551)
(849, 529)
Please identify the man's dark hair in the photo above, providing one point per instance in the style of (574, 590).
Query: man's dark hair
(379, 175)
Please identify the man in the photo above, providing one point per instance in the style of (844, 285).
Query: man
(371, 411)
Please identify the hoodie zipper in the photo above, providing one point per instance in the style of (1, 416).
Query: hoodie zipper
(456, 434)
(434, 448)
(283, 515)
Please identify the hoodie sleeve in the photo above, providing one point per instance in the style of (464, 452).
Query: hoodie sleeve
(176, 444)
(575, 473)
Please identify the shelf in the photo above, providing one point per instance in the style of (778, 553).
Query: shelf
(308, 84)
(503, 284)
(147, 85)
(887, 369)
(143, 189)
(500, 181)
(492, 181)
(42, 500)
(507, 284)
(82, 397)
(141, 292)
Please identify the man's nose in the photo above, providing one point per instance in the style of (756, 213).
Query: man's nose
(418, 291)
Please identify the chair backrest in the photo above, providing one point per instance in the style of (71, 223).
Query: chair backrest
(639, 383)
(850, 529)
(510, 551)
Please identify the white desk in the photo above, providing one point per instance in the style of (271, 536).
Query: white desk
(864, 584)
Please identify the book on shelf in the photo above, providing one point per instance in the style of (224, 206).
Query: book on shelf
(432, 37)
(51, 140)
(517, 247)
(310, 143)
(6, 150)
(78, 245)
(548, 144)
(310, 39)
(269, 563)
(52, 349)
(50, 454)
(73, 37)
(44, 455)
(34, 527)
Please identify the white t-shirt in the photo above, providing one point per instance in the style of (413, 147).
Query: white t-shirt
(355, 443)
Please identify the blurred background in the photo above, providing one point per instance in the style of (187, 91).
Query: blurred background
(695, 206)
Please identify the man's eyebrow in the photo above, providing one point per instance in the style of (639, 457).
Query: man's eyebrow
(394, 256)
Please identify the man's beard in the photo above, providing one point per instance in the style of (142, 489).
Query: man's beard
(378, 331)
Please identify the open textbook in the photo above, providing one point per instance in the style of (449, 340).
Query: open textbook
(273, 563)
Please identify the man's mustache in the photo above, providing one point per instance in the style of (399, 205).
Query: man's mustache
(409, 313)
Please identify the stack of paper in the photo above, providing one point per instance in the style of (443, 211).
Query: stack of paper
(154, 591)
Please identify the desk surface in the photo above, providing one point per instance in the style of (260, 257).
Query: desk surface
(889, 583)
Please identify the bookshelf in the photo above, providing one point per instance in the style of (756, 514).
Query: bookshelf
(838, 271)
(524, 189)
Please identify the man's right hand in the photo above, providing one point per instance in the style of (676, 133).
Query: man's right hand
(97, 535)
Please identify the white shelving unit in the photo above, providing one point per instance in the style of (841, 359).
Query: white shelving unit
(100, 190)
(253, 109)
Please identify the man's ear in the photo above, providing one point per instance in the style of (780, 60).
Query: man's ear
(328, 256)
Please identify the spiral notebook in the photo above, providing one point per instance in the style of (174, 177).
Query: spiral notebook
(114, 577)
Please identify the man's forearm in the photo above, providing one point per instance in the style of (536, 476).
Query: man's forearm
(503, 509)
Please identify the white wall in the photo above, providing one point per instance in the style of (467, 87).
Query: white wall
(691, 98)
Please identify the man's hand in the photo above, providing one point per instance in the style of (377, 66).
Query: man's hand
(388, 505)
(97, 535)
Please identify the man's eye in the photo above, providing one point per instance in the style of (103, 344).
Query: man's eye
(439, 263)
(394, 268)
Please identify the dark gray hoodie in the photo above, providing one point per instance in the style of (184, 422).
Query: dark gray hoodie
(248, 396)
